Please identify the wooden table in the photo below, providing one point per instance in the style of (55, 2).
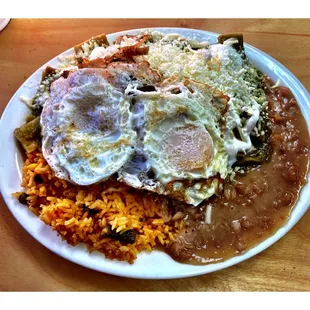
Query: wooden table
(25, 265)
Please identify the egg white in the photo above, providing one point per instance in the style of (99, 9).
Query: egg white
(87, 132)
(161, 113)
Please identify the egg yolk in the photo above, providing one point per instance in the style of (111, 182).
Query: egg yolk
(188, 148)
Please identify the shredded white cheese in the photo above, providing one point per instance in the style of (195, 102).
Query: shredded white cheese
(278, 83)
(26, 101)
(208, 214)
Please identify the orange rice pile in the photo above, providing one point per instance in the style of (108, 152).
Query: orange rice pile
(68, 210)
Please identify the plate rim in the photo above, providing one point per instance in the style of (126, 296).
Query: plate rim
(200, 270)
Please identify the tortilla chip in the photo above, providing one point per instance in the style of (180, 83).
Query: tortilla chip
(239, 36)
(48, 71)
(100, 39)
(28, 135)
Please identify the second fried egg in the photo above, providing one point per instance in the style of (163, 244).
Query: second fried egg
(181, 151)
(86, 128)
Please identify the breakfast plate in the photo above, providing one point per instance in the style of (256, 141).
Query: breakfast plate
(157, 264)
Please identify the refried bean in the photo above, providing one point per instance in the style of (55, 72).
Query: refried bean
(257, 203)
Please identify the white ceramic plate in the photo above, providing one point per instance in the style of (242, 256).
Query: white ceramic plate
(155, 265)
(3, 23)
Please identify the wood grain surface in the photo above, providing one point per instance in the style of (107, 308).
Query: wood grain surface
(25, 265)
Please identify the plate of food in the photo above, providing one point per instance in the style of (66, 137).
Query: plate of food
(158, 153)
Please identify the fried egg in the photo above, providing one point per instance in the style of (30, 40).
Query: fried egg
(86, 128)
(180, 141)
